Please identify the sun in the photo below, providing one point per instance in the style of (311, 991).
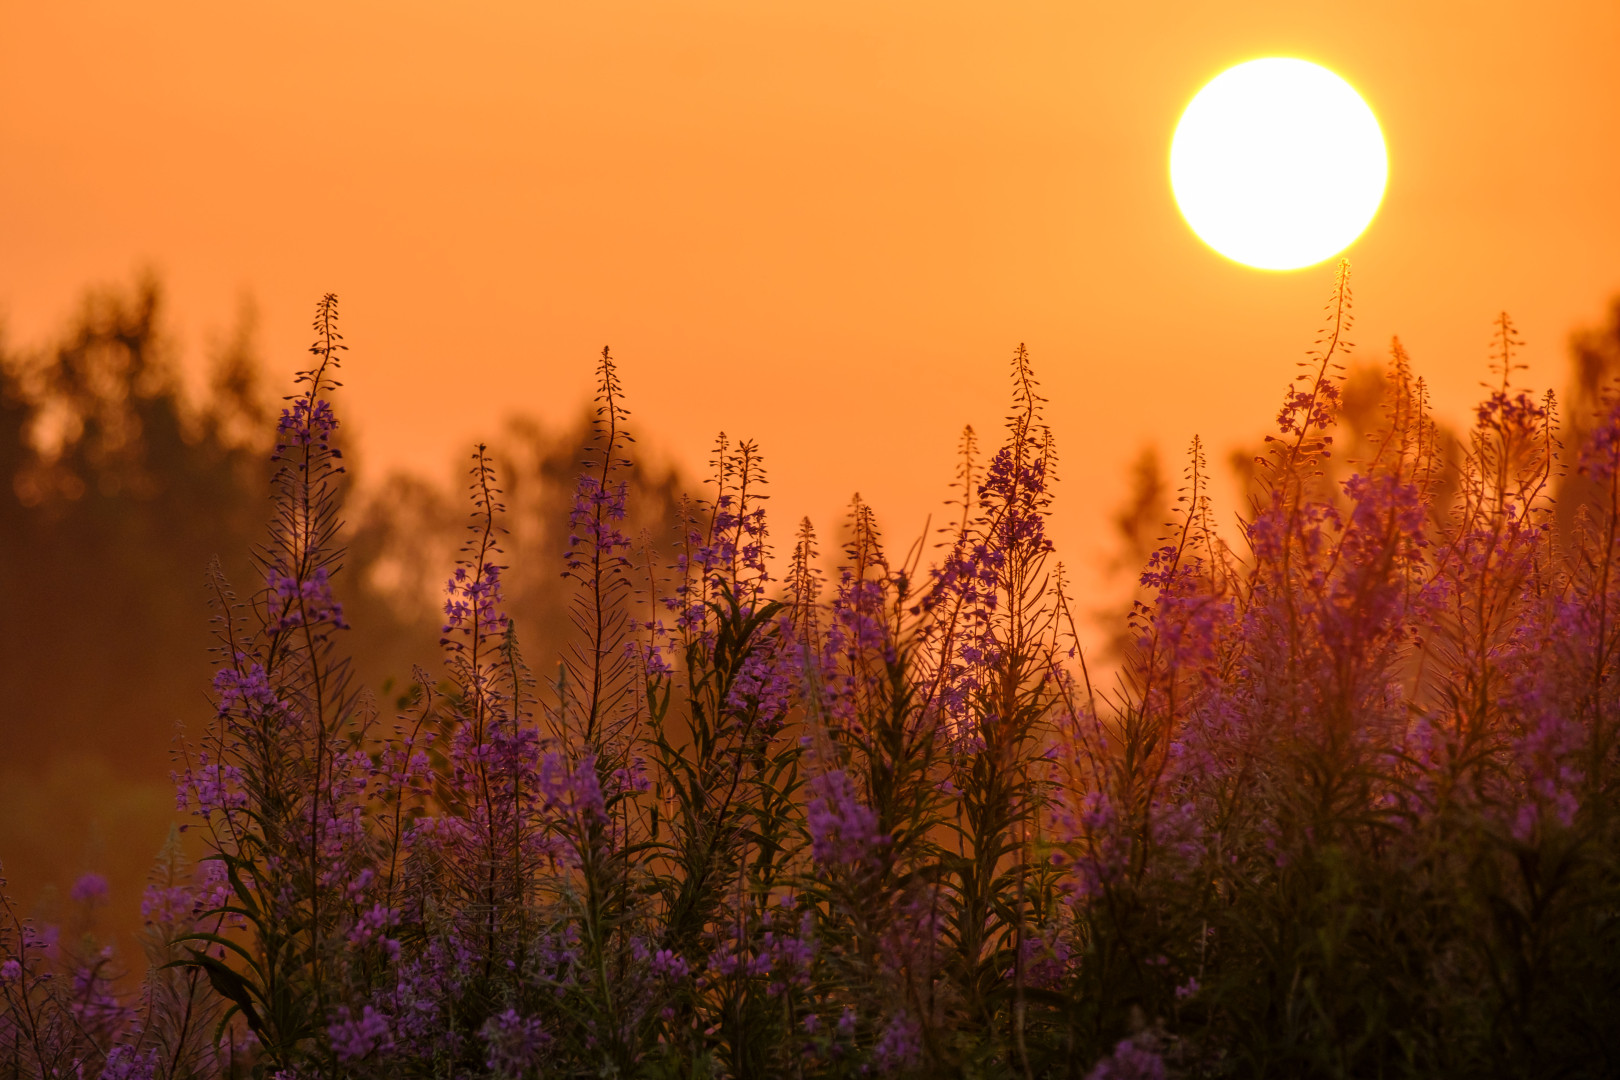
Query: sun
(1278, 164)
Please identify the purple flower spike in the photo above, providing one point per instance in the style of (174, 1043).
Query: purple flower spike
(89, 889)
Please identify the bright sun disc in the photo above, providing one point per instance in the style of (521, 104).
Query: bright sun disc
(1278, 164)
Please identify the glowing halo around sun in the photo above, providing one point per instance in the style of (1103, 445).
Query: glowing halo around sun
(1278, 164)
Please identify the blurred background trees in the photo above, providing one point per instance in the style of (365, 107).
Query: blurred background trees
(117, 490)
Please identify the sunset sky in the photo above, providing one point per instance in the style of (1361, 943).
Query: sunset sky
(824, 226)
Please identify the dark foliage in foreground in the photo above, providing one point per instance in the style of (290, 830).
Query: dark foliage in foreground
(1349, 810)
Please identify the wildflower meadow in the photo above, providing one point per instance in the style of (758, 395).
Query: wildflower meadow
(1346, 806)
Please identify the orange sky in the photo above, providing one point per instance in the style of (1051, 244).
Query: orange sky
(823, 225)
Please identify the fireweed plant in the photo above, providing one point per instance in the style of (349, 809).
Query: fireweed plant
(1348, 809)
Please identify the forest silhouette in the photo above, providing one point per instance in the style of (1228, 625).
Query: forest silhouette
(119, 494)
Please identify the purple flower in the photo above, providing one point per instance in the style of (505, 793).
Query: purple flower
(124, 1063)
(211, 787)
(593, 525)
(369, 927)
(842, 828)
(899, 1046)
(304, 602)
(354, 1039)
(168, 906)
(512, 1041)
(768, 679)
(652, 655)
(1045, 958)
(246, 691)
(95, 1002)
(10, 971)
(791, 957)
(473, 603)
(633, 777)
(89, 889)
(575, 791)
(1600, 455)
(302, 425)
(670, 965)
(1131, 1060)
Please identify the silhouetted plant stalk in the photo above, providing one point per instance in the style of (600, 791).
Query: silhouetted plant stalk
(1346, 807)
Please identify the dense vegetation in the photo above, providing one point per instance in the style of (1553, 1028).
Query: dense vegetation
(1348, 809)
